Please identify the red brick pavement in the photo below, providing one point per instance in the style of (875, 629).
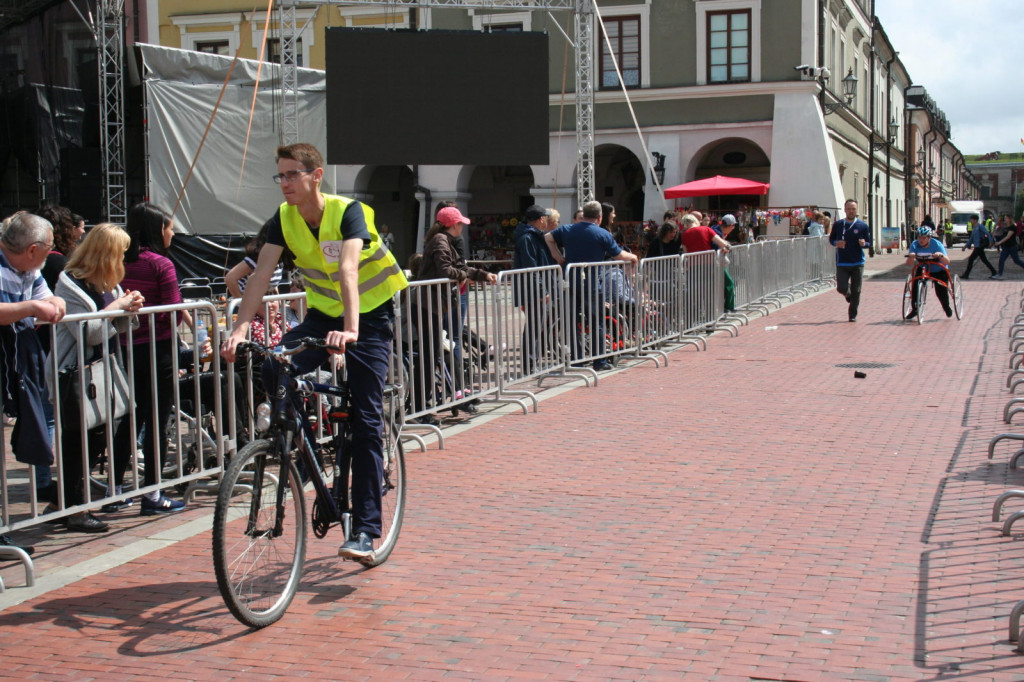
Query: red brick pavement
(749, 512)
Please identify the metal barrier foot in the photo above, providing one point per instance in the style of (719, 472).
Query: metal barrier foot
(696, 340)
(1013, 376)
(729, 326)
(11, 553)
(211, 487)
(1008, 413)
(521, 402)
(585, 373)
(1002, 436)
(408, 432)
(1010, 520)
(1015, 615)
(654, 355)
(405, 437)
(997, 508)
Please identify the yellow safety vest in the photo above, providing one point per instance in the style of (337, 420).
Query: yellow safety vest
(380, 277)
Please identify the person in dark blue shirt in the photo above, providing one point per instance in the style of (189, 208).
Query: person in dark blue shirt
(850, 237)
(587, 242)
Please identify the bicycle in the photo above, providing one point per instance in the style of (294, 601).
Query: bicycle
(916, 288)
(259, 525)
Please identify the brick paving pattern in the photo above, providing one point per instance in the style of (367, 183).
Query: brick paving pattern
(749, 512)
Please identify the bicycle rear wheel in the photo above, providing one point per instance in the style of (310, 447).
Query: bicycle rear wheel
(956, 293)
(259, 534)
(922, 295)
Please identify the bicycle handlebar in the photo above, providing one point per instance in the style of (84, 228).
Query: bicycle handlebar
(282, 353)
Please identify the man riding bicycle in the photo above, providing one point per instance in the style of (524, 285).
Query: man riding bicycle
(937, 265)
(350, 281)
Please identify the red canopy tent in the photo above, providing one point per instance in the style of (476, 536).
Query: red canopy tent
(716, 185)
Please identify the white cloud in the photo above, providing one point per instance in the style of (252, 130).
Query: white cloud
(964, 53)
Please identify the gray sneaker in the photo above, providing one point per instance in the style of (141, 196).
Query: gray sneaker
(358, 548)
(995, 276)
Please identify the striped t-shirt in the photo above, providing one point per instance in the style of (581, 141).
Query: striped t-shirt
(17, 287)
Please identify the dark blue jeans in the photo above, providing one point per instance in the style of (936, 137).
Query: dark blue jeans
(367, 367)
(1009, 251)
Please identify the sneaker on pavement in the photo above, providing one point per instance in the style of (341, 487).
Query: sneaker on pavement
(6, 541)
(995, 277)
(161, 505)
(911, 315)
(360, 547)
(948, 311)
(602, 366)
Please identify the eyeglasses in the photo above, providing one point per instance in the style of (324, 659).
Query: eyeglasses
(48, 245)
(292, 175)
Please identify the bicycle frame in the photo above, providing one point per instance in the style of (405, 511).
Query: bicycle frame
(922, 271)
(290, 425)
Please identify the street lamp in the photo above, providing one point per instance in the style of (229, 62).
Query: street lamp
(894, 131)
(659, 167)
(849, 84)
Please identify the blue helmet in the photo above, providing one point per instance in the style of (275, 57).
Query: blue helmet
(924, 231)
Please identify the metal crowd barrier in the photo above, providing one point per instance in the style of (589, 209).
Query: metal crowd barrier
(533, 324)
(528, 306)
(660, 305)
(195, 449)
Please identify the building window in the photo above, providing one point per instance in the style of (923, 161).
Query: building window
(213, 46)
(728, 36)
(624, 35)
(306, 36)
(494, 22)
(211, 33)
(273, 52)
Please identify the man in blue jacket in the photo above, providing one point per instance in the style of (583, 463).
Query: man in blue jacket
(532, 293)
(850, 236)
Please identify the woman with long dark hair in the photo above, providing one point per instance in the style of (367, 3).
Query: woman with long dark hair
(67, 233)
(149, 270)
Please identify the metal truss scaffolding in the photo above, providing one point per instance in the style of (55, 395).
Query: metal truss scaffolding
(109, 31)
(584, 43)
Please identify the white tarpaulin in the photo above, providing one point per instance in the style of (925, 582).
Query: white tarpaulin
(181, 90)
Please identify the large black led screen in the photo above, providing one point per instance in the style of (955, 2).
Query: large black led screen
(436, 97)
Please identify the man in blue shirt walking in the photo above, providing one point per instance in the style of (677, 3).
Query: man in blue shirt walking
(850, 237)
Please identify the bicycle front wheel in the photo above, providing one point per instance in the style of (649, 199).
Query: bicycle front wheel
(392, 494)
(908, 297)
(259, 534)
(922, 294)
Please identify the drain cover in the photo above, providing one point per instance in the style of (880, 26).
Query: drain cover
(865, 365)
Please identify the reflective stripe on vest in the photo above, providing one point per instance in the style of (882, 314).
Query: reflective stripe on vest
(380, 277)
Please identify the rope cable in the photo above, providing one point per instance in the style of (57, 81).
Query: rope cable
(629, 104)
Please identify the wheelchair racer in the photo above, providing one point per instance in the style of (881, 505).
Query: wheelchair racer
(936, 265)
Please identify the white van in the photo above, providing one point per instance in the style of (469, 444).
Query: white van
(961, 212)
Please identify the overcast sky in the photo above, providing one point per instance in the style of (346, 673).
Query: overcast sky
(966, 55)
